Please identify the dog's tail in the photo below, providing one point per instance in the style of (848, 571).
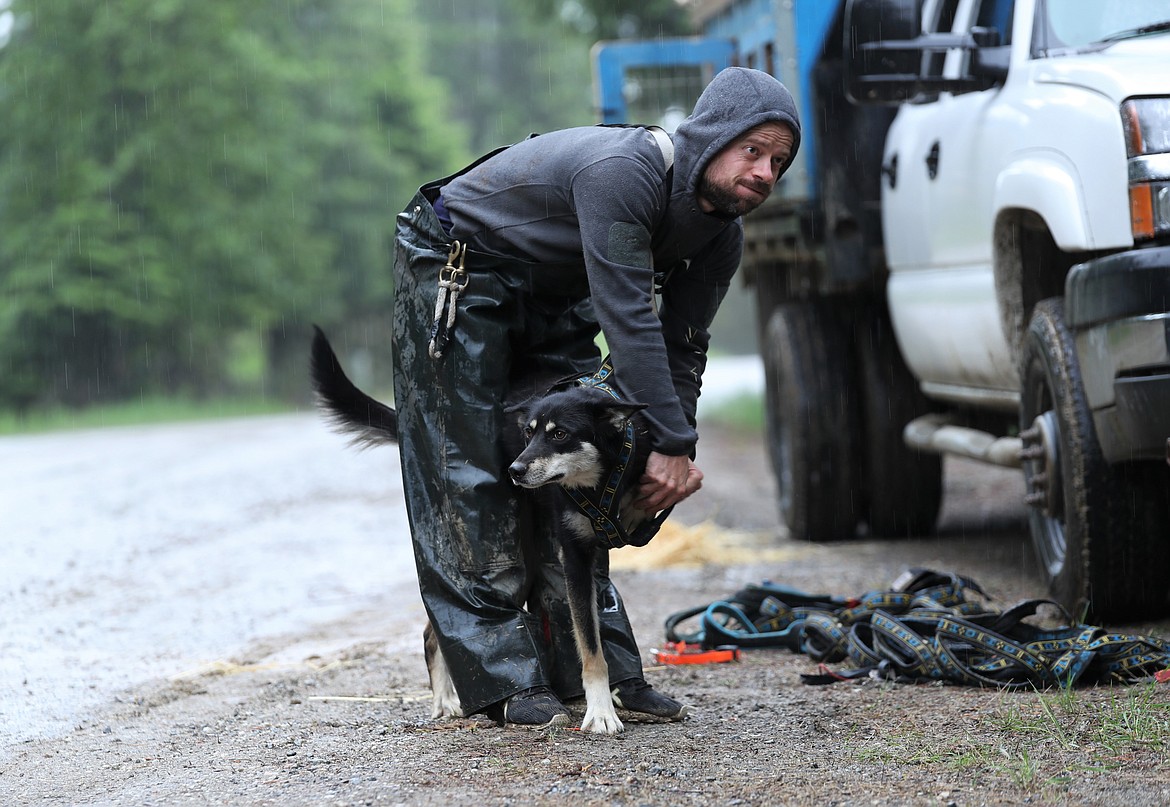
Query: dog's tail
(347, 408)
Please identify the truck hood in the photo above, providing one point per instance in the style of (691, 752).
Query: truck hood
(1126, 68)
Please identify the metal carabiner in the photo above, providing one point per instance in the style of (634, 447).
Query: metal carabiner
(452, 281)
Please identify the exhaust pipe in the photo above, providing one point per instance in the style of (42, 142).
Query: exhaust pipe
(936, 434)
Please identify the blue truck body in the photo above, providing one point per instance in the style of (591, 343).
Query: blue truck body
(781, 38)
(822, 223)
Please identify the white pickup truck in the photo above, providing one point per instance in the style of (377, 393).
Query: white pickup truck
(970, 255)
(1025, 217)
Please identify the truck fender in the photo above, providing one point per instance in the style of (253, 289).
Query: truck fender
(1046, 183)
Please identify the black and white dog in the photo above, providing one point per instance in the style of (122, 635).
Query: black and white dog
(580, 453)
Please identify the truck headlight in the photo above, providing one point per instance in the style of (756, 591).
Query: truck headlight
(1147, 139)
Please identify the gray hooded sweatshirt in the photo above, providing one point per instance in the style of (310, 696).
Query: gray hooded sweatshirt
(602, 198)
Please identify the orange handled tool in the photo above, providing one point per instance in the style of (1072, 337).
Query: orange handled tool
(682, 653)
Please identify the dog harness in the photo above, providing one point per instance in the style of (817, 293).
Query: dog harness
(926, 627)
(603, 514)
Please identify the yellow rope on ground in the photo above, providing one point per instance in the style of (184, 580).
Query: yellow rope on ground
(705, 544)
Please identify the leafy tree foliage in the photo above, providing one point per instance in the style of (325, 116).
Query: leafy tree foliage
(521, 66)
(186, 183)
(620, 19)
(175, 173)
(511, 68)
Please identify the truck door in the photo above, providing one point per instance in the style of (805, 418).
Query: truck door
(961, 158)
(909, 179)
(938, 197)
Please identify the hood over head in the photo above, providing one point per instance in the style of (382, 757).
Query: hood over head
(736, 100)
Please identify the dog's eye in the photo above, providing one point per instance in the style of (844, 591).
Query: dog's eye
(527, 433)
(560, 435)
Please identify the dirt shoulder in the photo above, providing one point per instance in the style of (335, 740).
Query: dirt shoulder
(340, 714)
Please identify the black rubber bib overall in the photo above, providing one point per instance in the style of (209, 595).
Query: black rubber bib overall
(489, 575)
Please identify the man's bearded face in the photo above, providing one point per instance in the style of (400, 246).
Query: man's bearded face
(741, 176)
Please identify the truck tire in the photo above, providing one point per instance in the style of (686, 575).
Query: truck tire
(1095, 528)
(812, 421)
(903, 486)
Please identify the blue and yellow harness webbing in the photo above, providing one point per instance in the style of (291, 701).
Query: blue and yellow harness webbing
(603, 514)
(926, 628)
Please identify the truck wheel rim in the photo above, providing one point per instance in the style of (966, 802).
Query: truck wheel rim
(785, 472)
(1045, 491)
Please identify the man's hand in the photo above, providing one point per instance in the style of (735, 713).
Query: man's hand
(667, 481)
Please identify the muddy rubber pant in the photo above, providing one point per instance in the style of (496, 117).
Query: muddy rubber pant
(489, 574)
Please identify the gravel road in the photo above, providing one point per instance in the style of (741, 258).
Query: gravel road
(226, 613)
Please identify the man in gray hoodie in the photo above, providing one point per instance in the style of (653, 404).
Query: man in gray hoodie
(566, 233)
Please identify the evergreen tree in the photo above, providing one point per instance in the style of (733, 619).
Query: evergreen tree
(174, 175)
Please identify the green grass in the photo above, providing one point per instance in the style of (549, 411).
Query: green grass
(744, 412)
(143, 411)
(1127, 718)
(1043, 739)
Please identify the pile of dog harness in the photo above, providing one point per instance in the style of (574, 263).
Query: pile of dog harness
(927, 627)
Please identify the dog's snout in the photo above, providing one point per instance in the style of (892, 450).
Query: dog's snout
(517, 470)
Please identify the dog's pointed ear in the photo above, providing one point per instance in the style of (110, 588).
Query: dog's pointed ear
(522, 406)
(519, 413)
(619, 412)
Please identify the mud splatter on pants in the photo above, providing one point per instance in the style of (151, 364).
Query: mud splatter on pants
(488, 573)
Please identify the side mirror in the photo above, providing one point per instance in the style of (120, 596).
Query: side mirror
(881, 68)
(874, 73)
(991, 61)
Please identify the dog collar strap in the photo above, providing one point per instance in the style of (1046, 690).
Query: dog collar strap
(608, 531)
(598, 378)
(606, 527)
(609, 495)
(601, 514)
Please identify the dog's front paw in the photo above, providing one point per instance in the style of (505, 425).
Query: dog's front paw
(445, 707)
(444, 698)
(601, 721)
